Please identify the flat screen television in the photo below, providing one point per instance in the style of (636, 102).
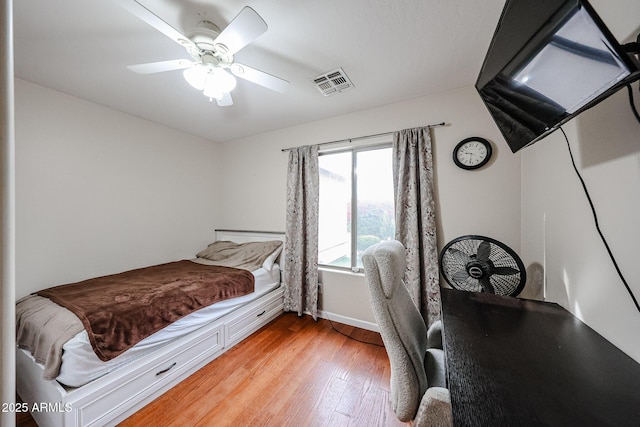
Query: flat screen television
(548, 61)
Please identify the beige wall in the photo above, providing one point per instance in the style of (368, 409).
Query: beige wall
(99, 191)
(485, 202)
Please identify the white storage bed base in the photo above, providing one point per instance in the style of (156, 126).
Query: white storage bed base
(110, 399)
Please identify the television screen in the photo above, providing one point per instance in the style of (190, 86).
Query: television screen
(548, 61)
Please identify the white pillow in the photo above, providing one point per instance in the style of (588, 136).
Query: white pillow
(271, 259)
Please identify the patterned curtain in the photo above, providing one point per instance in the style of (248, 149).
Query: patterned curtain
(301, 234)
(416, 217)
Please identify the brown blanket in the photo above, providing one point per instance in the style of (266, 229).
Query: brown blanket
(120, 310)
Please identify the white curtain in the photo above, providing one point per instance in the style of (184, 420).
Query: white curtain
(416, 217)
(301, 233)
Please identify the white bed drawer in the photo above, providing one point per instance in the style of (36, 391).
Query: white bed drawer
(149, 381)
(241, 327)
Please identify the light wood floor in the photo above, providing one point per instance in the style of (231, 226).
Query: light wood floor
(292, 372)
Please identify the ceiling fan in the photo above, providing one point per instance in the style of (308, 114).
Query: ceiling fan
(212, 68)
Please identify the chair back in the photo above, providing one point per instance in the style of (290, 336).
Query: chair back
(402, 328)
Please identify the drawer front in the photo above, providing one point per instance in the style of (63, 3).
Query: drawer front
(147, 381)
(241, 327)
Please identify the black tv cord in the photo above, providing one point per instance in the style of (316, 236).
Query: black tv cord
(595, 218)
(632, 103)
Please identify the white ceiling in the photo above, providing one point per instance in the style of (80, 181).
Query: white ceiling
(391, 51)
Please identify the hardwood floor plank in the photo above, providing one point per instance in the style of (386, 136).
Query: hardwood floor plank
(371, 410)
(199, 408)
(309, 393)
(210, 375)
(250, 396)
(284, 397)
(337, 419)
(380, 370)
(324, 410)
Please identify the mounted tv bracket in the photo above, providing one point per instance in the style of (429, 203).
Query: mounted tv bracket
(633, 47)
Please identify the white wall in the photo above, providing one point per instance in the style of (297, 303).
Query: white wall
(558, 230)
(99, 191)
(484, 202)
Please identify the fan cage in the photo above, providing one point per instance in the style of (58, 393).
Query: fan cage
(457, 253)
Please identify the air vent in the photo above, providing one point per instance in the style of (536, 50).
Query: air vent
(333, 82)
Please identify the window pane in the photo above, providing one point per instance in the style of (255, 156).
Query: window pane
(334, 239)
(375, 214)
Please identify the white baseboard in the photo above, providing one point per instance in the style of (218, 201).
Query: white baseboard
(362, 324)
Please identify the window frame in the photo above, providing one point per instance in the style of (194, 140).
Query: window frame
(354, 198)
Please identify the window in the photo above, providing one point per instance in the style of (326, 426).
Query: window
(356, 204)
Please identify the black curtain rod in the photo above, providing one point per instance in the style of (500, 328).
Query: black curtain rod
(364, 137)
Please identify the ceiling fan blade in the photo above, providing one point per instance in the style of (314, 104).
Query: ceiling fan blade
(225, 101)
(243, 29)
(260, 77)
(484, 251)
(162, 66)
(155, 21)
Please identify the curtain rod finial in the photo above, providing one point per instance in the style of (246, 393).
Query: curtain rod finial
(438, 125)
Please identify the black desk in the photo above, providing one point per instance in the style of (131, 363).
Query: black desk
(516, 362)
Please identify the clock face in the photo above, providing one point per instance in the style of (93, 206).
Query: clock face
(472, 153)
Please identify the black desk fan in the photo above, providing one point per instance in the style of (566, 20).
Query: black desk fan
(482, 264)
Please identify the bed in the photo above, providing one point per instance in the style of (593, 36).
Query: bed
(92, 392)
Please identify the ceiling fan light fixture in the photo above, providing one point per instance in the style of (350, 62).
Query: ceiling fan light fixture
(196, 76)
(218, 82)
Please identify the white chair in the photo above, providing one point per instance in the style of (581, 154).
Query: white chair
(418, 379)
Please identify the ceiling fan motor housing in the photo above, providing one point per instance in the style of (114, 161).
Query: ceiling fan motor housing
(204, 35)
(208, 51)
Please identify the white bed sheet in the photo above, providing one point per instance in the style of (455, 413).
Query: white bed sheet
(80, 364)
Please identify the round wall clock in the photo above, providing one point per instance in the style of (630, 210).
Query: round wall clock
(472, 153)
